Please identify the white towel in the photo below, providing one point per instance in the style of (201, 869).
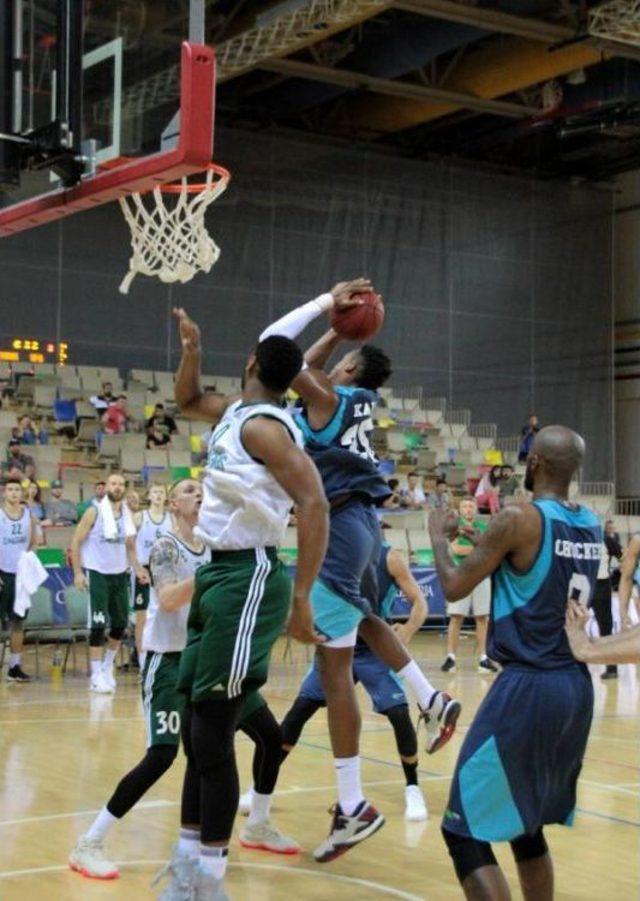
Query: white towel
(29, 577)
(109, 520)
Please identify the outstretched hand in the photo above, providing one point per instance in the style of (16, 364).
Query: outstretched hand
(345, 294)
(189, 331)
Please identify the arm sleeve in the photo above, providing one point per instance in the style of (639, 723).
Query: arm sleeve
(296, 321)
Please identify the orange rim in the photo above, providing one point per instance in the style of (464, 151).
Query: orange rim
(178, 188)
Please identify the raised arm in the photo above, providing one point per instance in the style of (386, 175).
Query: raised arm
(627, 569)
(496, 543)
(80, 533)
(172, 592)
(269, 441)
(401, 574)
(191, 399)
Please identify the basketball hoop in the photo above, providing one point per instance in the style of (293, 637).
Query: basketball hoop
(169, 237)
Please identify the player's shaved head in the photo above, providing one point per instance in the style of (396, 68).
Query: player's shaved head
(556, 454)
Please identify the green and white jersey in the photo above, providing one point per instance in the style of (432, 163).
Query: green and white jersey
(243, 506)
(149, 532)
(15, 538)
(166, 631)
(104, 556)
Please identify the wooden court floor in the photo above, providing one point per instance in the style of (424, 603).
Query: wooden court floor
(62, 752)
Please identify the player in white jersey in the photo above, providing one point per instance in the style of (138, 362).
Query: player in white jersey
(151, 525)
(256, 469)
(174, 559)
(17, 534)
(102, 549)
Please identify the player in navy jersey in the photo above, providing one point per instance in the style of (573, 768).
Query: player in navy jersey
(520, 760)
(337, 423)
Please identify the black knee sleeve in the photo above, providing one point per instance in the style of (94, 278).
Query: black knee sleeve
(96, 636)
(139, 780)
(116, 634)
(264, 731)
(468, 854)
(296, 718)
(404, 730)
(527, 847)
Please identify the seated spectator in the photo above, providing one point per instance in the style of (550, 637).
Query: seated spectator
(158, 436)
(33, 500)
(101, 401)
(413, 496)
(528, 433)
(60, 511)
(99, 491)
(18, 462)
(509, 482)
(395, 500)
(30, 433)
(440, 498)
(162, 420)
(115, 418)
(488, 490)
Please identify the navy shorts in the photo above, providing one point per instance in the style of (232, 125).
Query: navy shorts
(520, 760)
(348, 574)
(381, 684)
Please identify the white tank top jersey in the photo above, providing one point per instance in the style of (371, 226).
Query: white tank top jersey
(243, 505)
(100, 555)
(165, 632)
(15, 537)
(149, 532)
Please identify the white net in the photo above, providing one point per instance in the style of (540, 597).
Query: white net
(617, 20)
(169, 237)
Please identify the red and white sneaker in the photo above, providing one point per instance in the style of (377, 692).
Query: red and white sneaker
(88, 859)
(265, 837)
(440, 720)
(347, 832)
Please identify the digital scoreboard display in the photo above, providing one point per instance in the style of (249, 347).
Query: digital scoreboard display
(35, 350)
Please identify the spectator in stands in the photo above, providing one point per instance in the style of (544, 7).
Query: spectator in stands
(161, 420)
(30, 433)
(528, 433)
(158, 435)
(116, 418)
(478, 604)
(59, 511)
(509, 482)
(488, 490)
(413, 496)
(17, 462)
(33, 500)
(102, 401)
(440, 498)
(99, 491)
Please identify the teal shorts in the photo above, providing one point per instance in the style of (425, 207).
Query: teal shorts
(333, 617)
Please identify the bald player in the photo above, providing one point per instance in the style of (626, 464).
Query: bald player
(519, 763)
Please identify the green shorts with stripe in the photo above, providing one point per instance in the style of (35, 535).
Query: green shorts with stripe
(162, 703)
(240, 605)
(109, 595)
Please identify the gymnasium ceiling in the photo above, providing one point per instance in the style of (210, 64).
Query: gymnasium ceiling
(518, 84)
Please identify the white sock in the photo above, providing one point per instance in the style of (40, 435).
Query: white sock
(419, 684)
(449, 654)
(14, 660)
(349, 787)
(142, 656)
(100, 826)
(109, 657)
(214, 860)
(189, 842)
(95, 668)
(260, 807)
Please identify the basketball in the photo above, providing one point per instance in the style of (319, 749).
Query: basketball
(361, 322)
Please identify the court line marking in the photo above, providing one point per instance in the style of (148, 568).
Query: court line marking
(615, 788)
(279, 868)
(293, 790)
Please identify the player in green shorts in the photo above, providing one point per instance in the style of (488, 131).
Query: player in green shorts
(255, 470)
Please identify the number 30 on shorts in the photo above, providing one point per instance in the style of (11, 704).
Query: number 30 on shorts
(168, 722)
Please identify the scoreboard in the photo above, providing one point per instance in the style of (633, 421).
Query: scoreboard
(35, 350)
